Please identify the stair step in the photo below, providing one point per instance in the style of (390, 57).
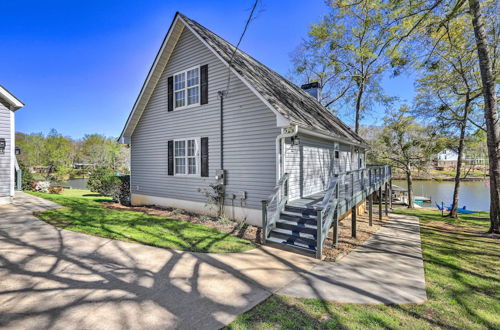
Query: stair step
(291, 238)
(293, 216)
(295, 233)
(301, 210)
(297, 245)
(297, 225)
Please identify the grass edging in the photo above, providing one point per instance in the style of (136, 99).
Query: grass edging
(83, 212)
(462, 284)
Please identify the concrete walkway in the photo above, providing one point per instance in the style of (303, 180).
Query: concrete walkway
(52, 278)
(388, 268)
(57, 279)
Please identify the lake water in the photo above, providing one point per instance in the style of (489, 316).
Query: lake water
(75, 183)
(475, 195)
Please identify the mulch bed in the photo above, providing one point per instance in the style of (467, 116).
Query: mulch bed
(346, 242)
(252, 233)
(238, 229)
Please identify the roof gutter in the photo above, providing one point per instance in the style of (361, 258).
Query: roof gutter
(333, 138)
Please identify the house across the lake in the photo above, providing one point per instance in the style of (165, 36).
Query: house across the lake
(448, 158)
(8, 163)
(208, 114)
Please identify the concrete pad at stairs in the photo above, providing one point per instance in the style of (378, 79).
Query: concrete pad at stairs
(388, 268)
(53, 278)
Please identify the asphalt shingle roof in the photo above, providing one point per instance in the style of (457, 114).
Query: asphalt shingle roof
(287, 98)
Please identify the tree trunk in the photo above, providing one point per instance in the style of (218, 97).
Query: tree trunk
(358, 107)
(461, 142)
(409, 181)
(490, 114)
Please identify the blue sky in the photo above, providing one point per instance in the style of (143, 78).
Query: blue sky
(79, 65)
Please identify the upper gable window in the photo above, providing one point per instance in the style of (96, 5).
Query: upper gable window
(187, 88)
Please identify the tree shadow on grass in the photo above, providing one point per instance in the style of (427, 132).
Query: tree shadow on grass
(92, 218)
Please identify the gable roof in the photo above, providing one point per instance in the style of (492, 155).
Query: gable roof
(8, 97)
(283, 97)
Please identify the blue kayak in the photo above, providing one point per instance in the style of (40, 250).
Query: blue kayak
(462, 210)
(465, 211)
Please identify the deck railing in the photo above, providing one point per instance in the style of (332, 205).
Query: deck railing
(343, 192)
(345, 187)
(272, 207)
(325, 214)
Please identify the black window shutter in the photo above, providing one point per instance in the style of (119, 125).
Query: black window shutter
(170, 170)
(204, 84)
(170, 87)
(204, 156)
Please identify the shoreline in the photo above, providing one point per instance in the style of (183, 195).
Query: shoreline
(473, 179)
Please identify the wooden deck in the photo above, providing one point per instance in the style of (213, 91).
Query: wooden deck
(352, 191)
(309, 202)
(304, 223)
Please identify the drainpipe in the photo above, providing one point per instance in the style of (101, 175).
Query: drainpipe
(280, 139)
(221, 119)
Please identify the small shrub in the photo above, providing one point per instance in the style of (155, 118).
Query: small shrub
(205, 218)
(103, 180)
(176, 212)
(56, 190)
(121, 191)
(215, 197)
(225, 220)
(28, 179)
(41, 186)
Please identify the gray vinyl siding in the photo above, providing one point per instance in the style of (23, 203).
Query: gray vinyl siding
(249, 134)
(5, 171)
(312, 164)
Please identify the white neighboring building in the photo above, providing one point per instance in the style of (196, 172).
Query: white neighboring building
(449, 158)
(8, 105)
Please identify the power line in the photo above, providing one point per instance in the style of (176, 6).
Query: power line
(238, 45)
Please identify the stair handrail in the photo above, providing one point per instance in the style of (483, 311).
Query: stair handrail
(326, 212)
(280, 196)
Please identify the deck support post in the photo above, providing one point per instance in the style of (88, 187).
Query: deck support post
(319, 233)
(386, 198)
(380, 203)
(264, 221)
(335, 237)
(353, 221)
(390, 194)
(335, 233)
(370, 209)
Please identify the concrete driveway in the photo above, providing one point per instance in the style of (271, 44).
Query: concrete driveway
(57, 279)
(53, 278)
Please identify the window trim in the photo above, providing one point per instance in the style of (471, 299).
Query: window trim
(185, 89)
(197, 151)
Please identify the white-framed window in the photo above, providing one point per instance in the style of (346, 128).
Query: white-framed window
(187, 88)
(187, 156)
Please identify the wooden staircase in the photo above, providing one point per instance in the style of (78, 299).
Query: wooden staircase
(305, 223)
(296, 227)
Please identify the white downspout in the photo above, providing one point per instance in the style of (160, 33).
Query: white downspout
(280, 156)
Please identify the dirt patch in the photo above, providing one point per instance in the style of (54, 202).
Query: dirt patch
(346, 242)
(238, 229)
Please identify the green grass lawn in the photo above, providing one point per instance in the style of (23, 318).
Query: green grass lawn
(462, 272)
(83, 212)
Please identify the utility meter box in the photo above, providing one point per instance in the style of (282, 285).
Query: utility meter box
(220, 176)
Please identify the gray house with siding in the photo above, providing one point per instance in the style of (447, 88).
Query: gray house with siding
(207, 113)
(8, 105)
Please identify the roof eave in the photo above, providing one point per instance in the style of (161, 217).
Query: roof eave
(326, 135)
(14, 102)
(126, 134)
